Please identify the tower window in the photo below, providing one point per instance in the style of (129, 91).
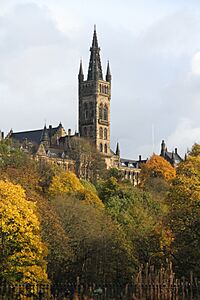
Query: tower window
(105, 134)
(101, 133)
(85, 131)
(91, 110)
(105, 148)
(101, 147)
(105, 113)
(100, 111)
(86, 111)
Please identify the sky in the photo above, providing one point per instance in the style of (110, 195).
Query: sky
(154, 51)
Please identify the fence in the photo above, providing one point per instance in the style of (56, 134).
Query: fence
(179, 291)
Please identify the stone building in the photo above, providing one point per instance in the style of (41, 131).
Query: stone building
(94, 124)
(172, 157)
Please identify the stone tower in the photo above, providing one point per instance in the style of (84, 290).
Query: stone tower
(94, 101)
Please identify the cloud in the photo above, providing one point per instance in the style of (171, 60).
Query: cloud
(27, 25)
(196, 64)
(155, 66)
(184, 135)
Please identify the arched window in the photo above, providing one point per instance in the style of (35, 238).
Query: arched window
(85, 131)
(101, 133)
(101, 111)
(91, 109)
(86, 115)
(101, 147)
(105, 148)
(105, 113)
(105, 134)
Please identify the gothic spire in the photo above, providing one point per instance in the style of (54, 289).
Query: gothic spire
(108, 73)
(81, 75)
(117, 150)
(95, 70)
(45, 135)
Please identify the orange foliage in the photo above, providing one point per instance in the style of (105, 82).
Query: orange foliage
(157, 167)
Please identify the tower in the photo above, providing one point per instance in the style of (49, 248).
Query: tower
(94, 101)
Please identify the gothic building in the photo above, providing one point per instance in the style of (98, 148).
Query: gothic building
(94, 101)
(172, 157)
(53, 143)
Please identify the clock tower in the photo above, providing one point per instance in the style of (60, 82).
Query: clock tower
(94, 101)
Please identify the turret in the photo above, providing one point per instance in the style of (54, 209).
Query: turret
(1, 135)
(163, 148)
(117, 150)
(45, 137)
(81, 75)
(108, 73)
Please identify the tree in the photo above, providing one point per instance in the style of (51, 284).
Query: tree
(184, 214)
(64, 182)
(22, 252)
(90, 164)
(156, 167)
(139, 217)
(102, 254)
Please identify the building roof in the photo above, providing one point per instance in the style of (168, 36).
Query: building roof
(173, 156)
(129, 163)
(33, 135)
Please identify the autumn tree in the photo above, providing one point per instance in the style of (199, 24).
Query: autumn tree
(156, 173)
(21, 249)
(102, 253)
(184, 214)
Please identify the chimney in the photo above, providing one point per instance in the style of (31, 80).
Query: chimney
(176, 151)
(140, 157)
(1, 135)
(50, 133)
(69, 132)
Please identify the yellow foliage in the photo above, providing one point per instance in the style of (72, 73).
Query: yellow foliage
(157, 166)
(22, 249)
(91, 198)
(65, 182)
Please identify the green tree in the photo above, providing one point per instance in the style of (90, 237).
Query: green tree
(102, 253)
(139, 216)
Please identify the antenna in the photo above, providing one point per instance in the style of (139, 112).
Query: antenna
(153, 138)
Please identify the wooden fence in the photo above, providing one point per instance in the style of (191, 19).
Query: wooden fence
(180, 291)
(149, 284)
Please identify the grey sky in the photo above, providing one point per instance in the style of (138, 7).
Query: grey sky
(154, 52)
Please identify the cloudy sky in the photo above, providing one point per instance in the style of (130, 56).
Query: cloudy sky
(154, 52)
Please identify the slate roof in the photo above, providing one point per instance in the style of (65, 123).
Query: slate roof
(129, 163)
(32, 135)
(173, 156)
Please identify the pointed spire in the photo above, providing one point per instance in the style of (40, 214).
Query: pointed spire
(117, 150)
(108, 73)
(81, 75)
(94, 40)
(45, 135)
(95, 69)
